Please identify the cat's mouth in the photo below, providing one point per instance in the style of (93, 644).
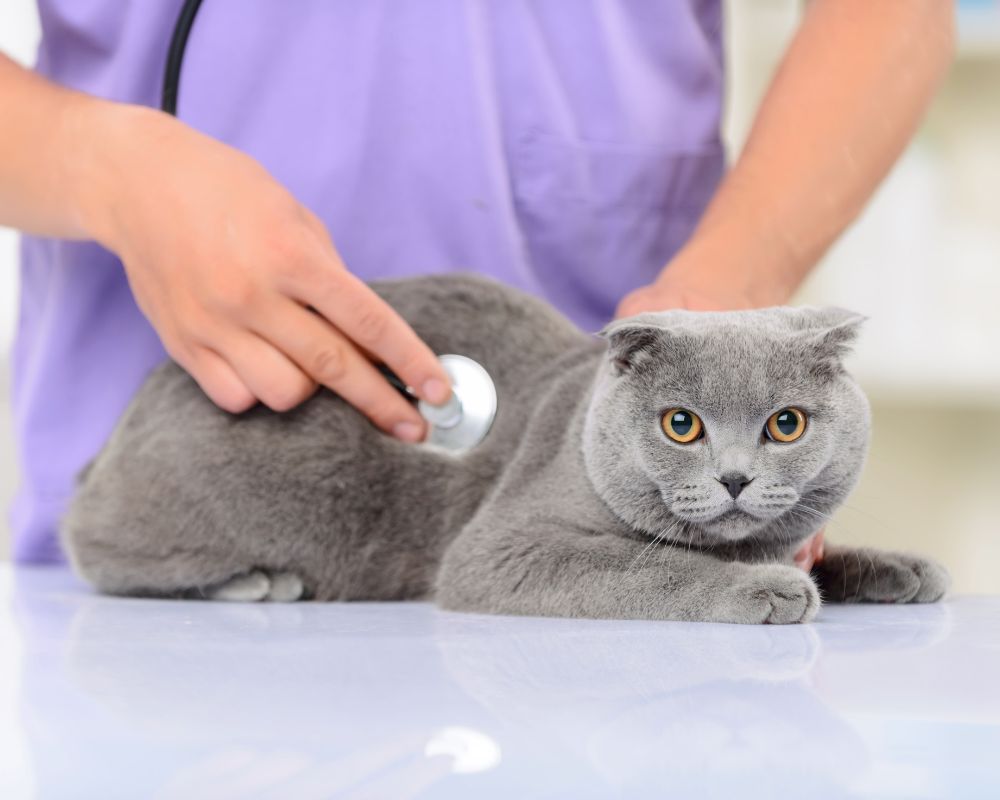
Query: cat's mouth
(731, 512)
(732, 524)
(735, 520)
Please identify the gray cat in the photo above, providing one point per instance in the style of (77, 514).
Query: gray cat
(667, 470)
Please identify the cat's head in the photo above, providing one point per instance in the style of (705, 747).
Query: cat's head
(711, 428)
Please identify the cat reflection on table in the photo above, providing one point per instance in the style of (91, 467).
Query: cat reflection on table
(668, 469)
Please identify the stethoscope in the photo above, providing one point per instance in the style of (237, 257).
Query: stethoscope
(467, 417)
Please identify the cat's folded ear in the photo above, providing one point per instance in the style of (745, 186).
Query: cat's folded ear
(828, 336)
(635, 342)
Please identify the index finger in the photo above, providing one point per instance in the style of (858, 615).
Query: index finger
(366, 319)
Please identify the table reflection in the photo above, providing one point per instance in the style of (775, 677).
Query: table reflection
(402, 700)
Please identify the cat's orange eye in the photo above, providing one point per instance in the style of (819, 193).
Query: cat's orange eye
(786, 425)
(681, 425)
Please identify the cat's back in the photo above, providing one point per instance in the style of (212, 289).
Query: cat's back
(511, 333)
(503, 328)
(184, 485)
(172, 425)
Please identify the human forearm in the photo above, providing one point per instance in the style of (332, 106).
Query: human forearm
(241, 282)
(847, 97)
(43, 141)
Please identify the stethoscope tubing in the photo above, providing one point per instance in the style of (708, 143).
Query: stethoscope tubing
(175, 55)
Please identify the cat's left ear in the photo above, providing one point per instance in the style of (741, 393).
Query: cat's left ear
(830, 334)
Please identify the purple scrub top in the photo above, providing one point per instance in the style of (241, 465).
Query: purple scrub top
(567, 148)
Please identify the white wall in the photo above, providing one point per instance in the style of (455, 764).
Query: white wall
(923, 262)
(8, 289)
(18, 39)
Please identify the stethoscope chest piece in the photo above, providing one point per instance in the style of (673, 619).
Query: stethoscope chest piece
(467, 417)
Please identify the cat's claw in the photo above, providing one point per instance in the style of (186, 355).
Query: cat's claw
(255, 586)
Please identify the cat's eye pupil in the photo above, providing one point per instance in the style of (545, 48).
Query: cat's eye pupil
(681, 422)
(787, 423)
(681, 425)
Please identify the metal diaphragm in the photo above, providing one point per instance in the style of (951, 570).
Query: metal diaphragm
(464, 421)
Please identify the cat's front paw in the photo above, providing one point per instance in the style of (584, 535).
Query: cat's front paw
(768, 593)
(862, 575)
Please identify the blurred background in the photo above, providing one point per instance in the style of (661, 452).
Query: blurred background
(923, 262)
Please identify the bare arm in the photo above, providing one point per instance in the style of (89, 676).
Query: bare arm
(224, 262)
(846, 98)
(37, 151)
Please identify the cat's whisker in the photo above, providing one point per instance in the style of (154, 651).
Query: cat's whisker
(636, 559)
(647, 552)
(857, 591)
(819, 492)
(660, 539)
(871, 561)
(881, 522)
(647, 549)
(813, 511)
(828, 519)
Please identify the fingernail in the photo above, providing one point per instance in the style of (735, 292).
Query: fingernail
(408, 431)
(435, 391)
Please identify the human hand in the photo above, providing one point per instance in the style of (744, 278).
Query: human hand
(241, 282)
(811, 551)
(666, 294)
(703, 277)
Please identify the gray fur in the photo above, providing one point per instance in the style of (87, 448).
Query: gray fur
(576, 504)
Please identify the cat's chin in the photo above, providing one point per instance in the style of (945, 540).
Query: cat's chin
(732, 525)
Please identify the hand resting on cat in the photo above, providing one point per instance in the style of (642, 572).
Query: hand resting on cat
(669, 469)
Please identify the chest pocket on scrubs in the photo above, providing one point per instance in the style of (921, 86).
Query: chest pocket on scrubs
(600, 219)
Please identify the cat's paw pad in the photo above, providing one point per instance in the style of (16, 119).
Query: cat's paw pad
(772, 594)
(286, 587)
(250, 587)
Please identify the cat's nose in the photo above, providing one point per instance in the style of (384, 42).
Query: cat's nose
(735, 482)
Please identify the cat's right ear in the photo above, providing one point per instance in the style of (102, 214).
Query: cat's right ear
(829, 337)
(631, 344)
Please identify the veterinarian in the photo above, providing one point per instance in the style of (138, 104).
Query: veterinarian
(570, 149)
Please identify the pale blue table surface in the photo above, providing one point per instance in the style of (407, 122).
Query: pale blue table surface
(119, 698)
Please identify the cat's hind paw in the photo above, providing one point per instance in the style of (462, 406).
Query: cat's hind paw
(864, 575)
(286, 587)
(934, 580)
(257, 585)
